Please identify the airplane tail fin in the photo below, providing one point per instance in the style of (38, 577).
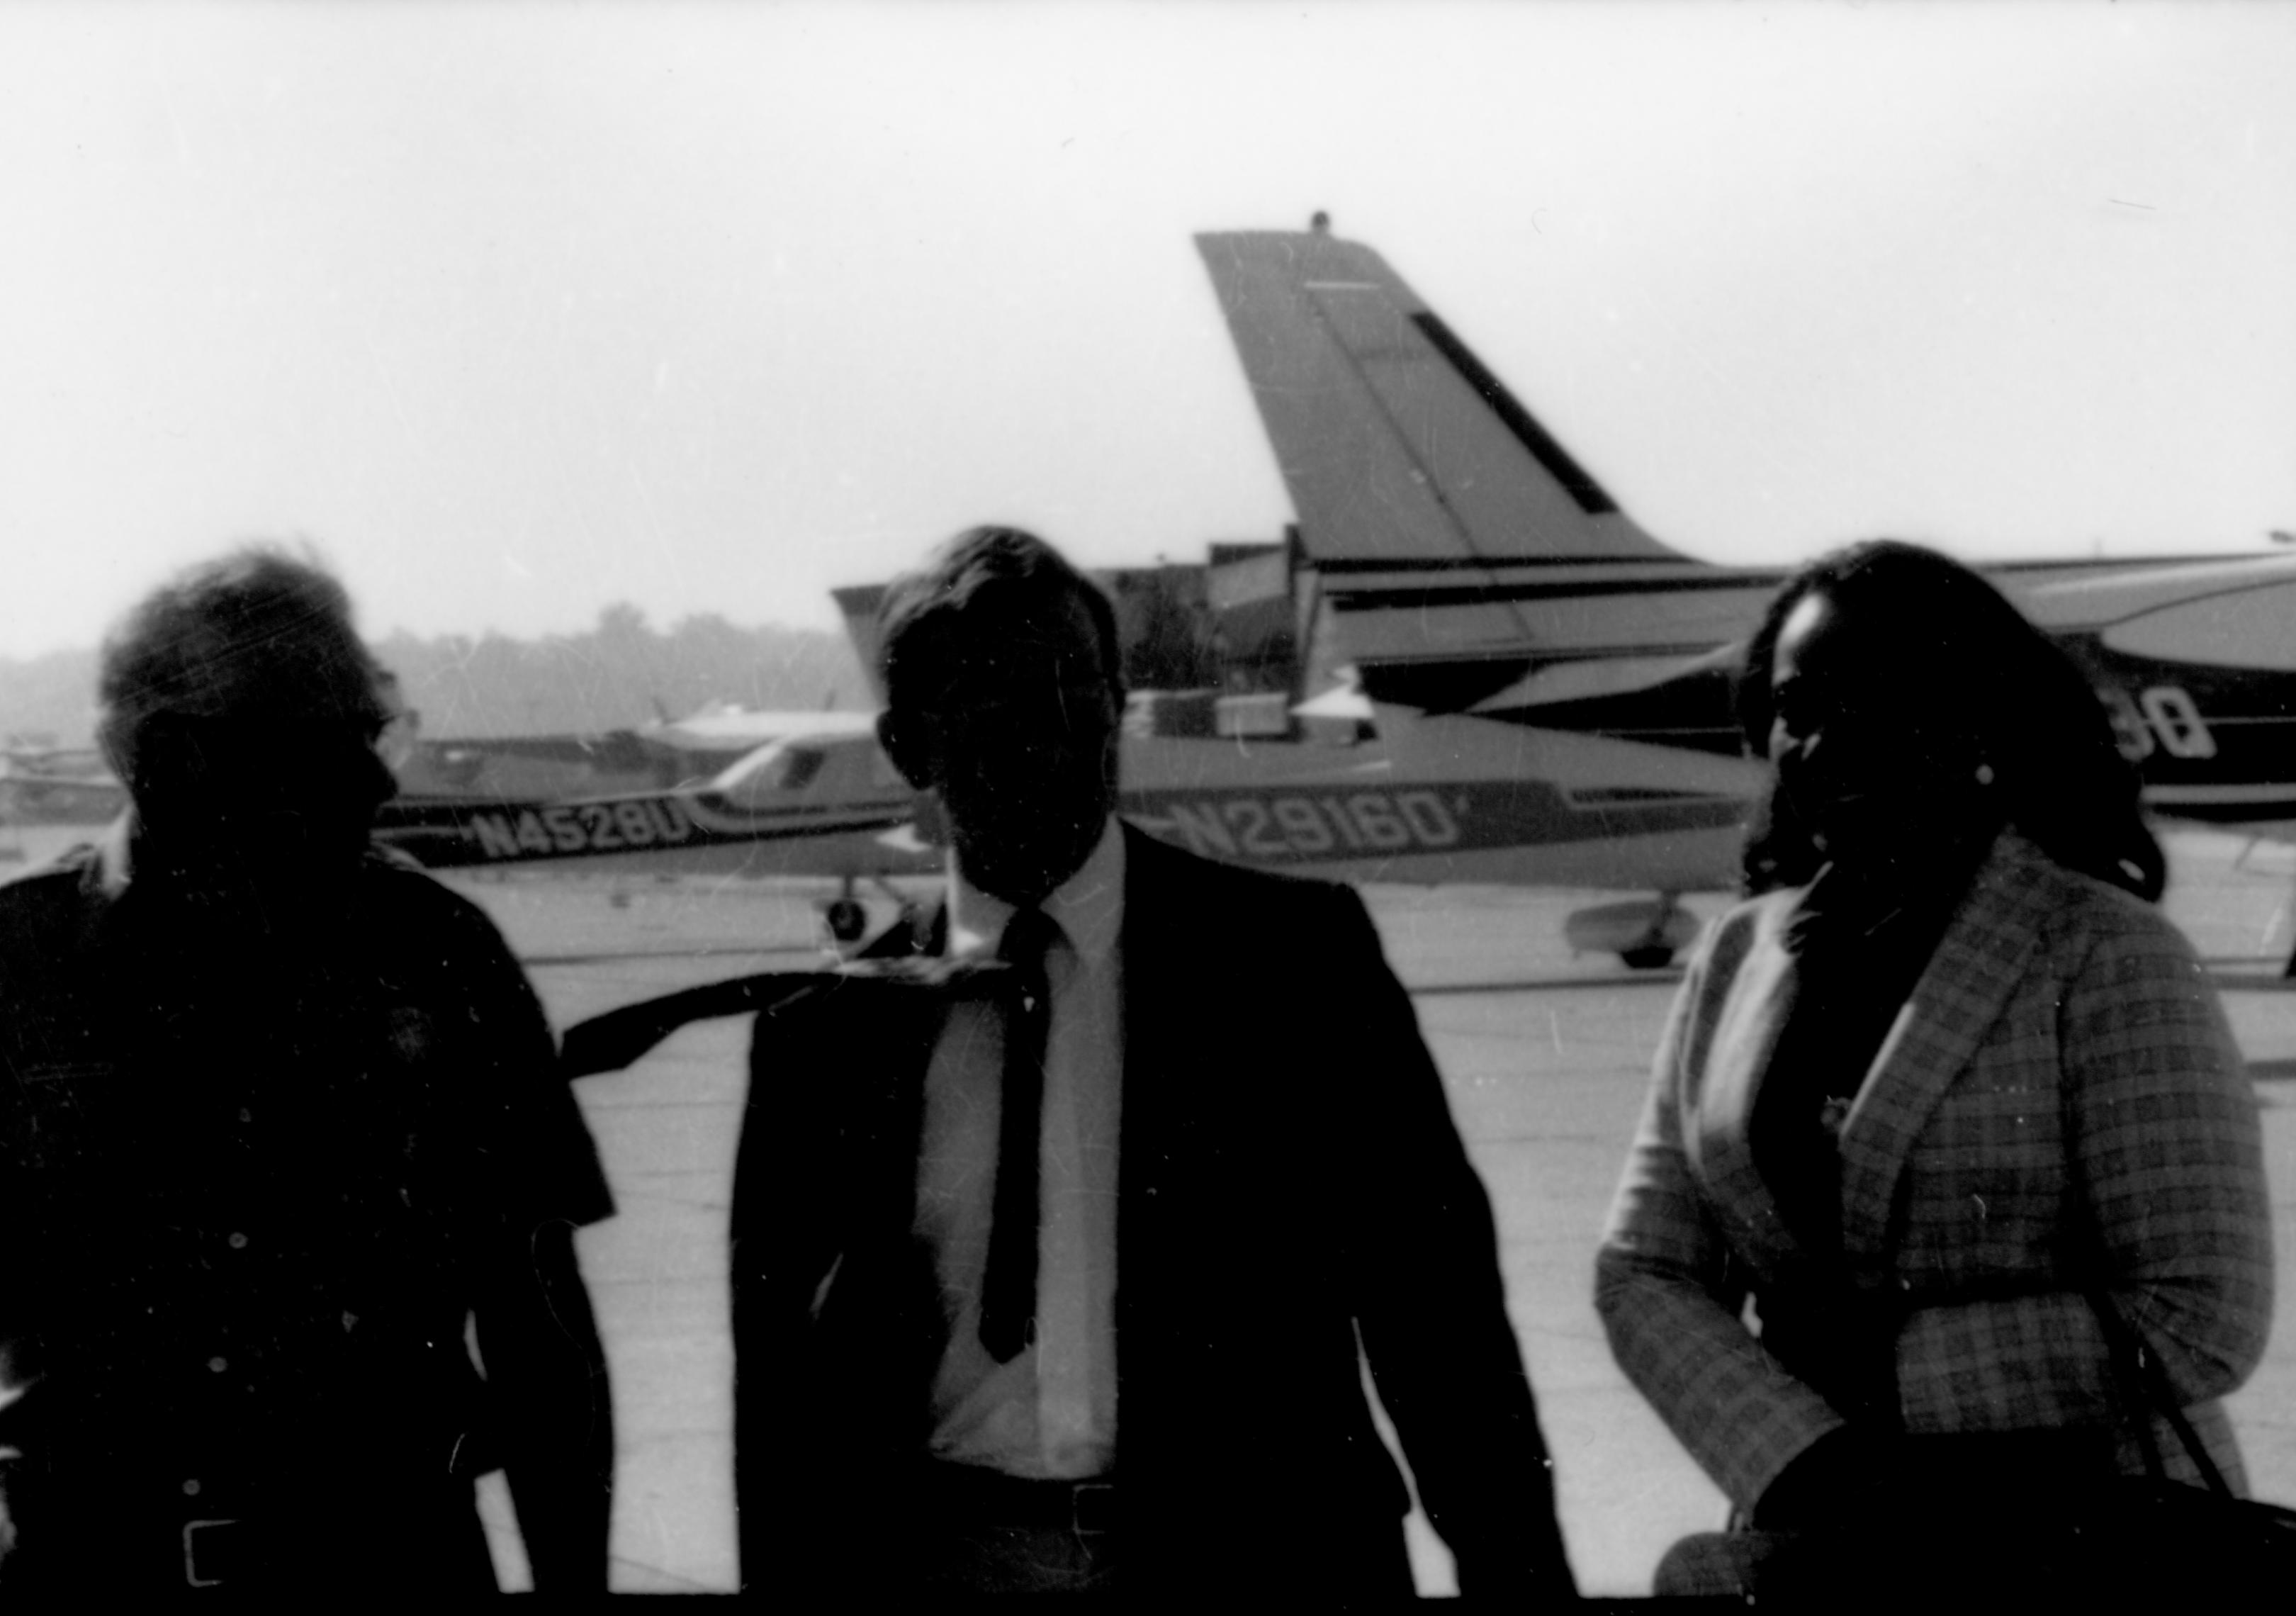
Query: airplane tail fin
(1400, 449)
(859, 605)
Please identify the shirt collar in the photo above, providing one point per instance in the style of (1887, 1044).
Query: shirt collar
(1088, 906)
(109, 870)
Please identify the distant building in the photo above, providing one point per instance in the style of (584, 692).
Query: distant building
(1227, 646)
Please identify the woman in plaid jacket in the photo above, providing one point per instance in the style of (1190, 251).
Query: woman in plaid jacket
(1946, 1074)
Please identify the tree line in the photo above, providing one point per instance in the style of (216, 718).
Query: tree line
(620, 673)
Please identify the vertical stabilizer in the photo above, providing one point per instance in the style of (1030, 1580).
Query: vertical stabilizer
(1398, 446)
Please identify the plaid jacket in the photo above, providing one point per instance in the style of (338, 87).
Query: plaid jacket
(2051, 999)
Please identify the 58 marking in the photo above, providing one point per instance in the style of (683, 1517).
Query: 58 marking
(2161, 718)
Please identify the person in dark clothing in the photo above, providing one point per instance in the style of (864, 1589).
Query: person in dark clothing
(288, 1176)
(1058, 1246)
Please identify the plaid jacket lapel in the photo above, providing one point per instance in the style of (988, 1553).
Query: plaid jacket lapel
(1978, 963)
(1759, 971)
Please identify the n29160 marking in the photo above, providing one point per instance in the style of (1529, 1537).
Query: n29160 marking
(1281, 828)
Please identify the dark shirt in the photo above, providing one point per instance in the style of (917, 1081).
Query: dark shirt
(253, 1195)
(1861, 939)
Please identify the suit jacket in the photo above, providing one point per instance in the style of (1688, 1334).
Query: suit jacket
(2053, 1001)
(1290, 1182)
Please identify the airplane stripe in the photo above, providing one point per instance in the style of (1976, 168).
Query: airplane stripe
(1607, 651)
(2233, 720)
(2183, 602)
(2111, 563)
(1421, 598)
(442, 836)
(1585, 492)
(1456, 563)
(2170, 797)
(2262, 810)
(1451, 563)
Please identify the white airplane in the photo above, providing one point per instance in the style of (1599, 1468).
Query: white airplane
(662, 752)
(829, 806)
(727, 730)
(1484, 585)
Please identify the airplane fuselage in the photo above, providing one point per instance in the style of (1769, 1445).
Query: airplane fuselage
(1444, 801)
(2194, 661)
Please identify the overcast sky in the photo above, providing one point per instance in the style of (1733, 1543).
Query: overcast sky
(517, 309)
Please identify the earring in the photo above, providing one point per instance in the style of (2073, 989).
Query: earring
(1985, 774)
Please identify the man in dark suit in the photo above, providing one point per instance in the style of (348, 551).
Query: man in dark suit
(1059, 1248)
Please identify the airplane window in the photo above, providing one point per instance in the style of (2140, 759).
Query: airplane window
(800, 770)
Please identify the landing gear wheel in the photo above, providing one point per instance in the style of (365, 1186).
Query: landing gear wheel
(847, 920)
(1645, 936)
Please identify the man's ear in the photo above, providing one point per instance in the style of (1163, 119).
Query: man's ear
(907, 749)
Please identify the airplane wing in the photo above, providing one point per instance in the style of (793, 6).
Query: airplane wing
(727, 729)
(2231, 612)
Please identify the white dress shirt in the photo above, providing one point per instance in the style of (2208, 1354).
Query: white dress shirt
(1050, 1412)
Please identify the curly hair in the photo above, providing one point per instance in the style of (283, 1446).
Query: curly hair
(1992, 682)
(255, 630)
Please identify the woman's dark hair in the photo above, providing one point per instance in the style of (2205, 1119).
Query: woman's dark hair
(1987, 678)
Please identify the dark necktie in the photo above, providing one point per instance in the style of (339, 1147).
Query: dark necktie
(1008, 1294)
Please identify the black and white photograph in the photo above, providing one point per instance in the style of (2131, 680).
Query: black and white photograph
(1323, 802)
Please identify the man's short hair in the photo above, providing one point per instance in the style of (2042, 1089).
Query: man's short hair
(985, 578)
(256, 633)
